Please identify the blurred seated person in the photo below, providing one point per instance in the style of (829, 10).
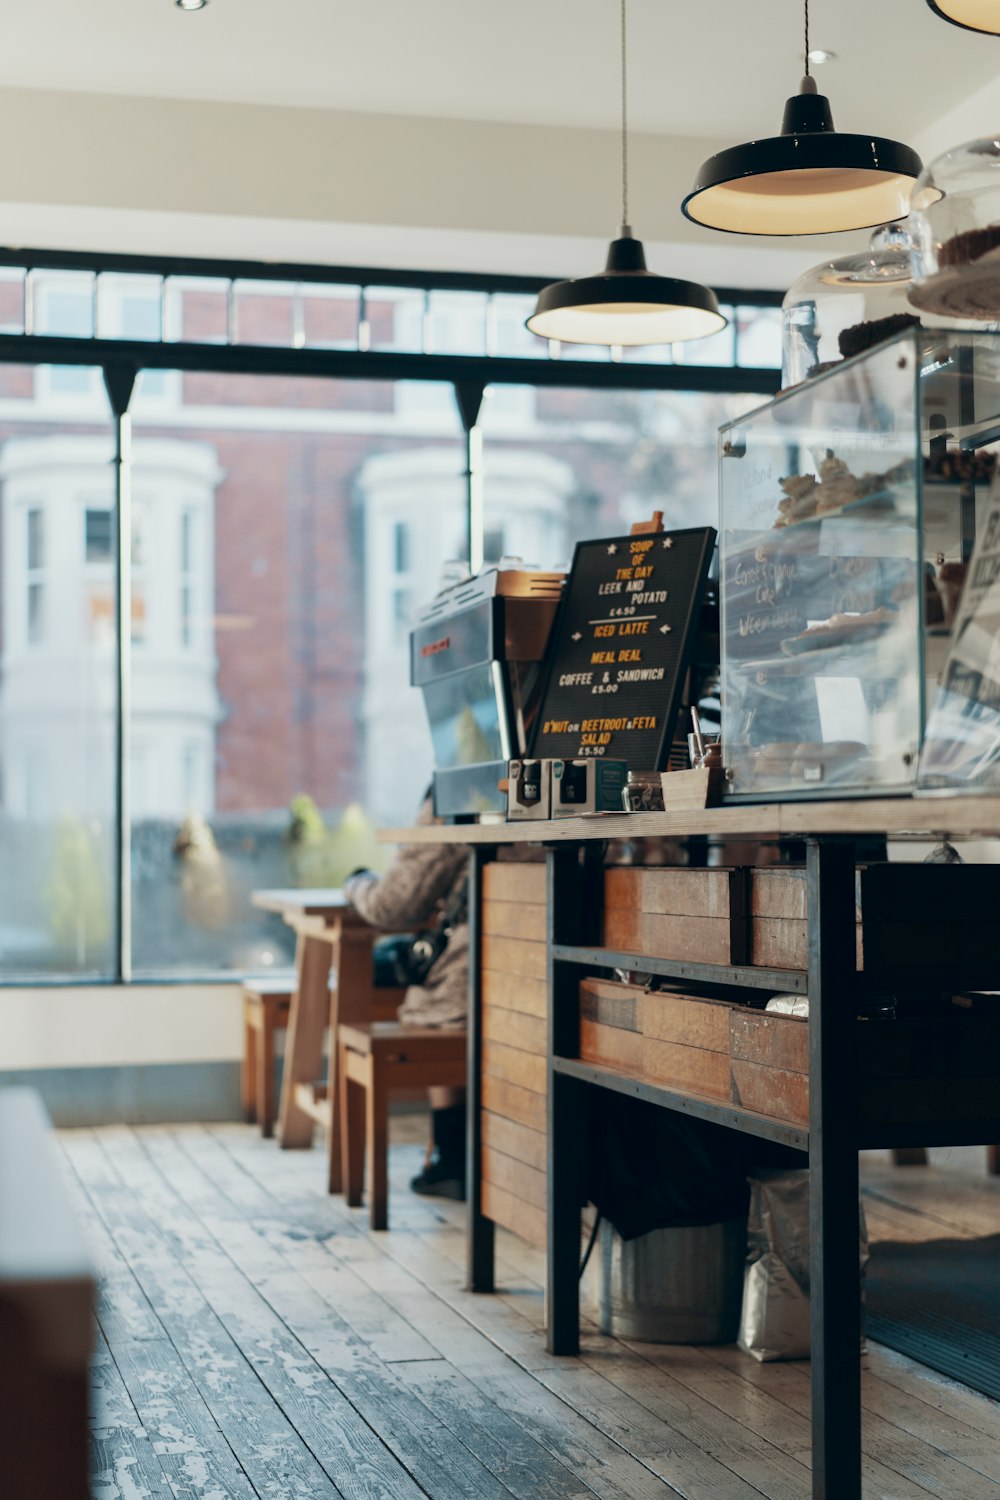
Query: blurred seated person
(421, 881)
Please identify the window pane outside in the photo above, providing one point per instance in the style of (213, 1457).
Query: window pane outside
(590, 463)
(284, 532)
(292, 542)
(57, 695)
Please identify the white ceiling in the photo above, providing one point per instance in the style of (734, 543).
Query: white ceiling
(718, 68)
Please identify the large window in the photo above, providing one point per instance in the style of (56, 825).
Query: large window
(57, 692)
(290, 509)
(295, 529)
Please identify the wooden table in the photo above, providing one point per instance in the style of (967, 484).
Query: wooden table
(567, 945)
(333, 967)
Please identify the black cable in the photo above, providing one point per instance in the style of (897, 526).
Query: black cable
(590, 1245)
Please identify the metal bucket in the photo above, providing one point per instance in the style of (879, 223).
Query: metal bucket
(674, 1286)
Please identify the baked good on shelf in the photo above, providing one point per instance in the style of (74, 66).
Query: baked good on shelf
(862, 336)
(840, 630)
(969, 245)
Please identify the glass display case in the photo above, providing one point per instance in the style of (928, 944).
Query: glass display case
(844, 306)
(849, 511)
(955, 232)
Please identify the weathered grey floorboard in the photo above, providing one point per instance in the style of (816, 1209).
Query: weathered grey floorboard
(124, 1464)
(263, 1344)
(522, 1465)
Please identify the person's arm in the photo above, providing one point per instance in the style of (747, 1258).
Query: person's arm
(418, 878)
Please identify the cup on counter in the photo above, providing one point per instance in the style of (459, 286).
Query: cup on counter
(704, 753)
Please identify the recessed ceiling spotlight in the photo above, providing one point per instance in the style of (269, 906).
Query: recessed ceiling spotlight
(819, 55)
(190, 4)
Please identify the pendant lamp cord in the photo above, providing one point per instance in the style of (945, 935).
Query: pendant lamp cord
(807, 34)
(624, 123)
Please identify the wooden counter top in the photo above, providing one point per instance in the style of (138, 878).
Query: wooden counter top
(929, 817)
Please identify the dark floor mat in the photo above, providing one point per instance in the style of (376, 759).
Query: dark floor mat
(939, 1302)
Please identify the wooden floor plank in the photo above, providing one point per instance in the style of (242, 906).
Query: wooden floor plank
(911, 1457)
(124, 1464)
(360, 1459)
(609, 1469)
(482, 1461)
(179, 1280)
(537, 1469)
(194, 1457)
(263, 1344)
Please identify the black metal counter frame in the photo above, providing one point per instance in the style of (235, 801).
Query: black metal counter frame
(574, 893)
(833, 1139)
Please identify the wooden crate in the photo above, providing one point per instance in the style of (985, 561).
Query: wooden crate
(514, 1020)
(914, 1071)
(711, 916)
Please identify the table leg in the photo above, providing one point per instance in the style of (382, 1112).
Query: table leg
(574, 891)
(481, 1232)
(248, 1072)
(308, 1017)
(833, 1172)
(351, 1001)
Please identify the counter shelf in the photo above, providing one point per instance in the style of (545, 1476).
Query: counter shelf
(540, 926)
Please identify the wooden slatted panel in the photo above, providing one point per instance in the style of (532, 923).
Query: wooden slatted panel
(514, 1214)
(514, 1022)
(511, 956)
(515, 1177)
(515, 1140)
(526, 1069)
(504, 991)
(515, 1029)
(514, 882)
(513, 1103)
(515, 919)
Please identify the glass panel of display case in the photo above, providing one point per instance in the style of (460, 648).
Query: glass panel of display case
(961, 503)
(822, 585)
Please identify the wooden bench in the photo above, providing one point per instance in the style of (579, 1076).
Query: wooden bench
(46, 1313)
(373, 1061)
(266, 1007)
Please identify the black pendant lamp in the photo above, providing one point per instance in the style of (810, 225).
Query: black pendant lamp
(973, 15)
(810, 179)
(625, 304)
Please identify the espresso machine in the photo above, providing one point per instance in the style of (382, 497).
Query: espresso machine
(476, 653)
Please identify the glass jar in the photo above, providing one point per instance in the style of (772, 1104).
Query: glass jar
(955, 233)
(847, 305)
(643, 792)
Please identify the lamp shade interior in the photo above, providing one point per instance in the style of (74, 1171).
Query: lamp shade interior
(624, 322)
(976, 15)
(820, 200)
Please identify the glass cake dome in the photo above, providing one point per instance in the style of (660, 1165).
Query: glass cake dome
(845, 306)
(955, 232)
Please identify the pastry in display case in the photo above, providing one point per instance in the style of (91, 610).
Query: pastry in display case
(850, 507)
(844, 306)
(955, 232)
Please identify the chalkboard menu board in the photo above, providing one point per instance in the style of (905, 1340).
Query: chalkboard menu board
(621, 647)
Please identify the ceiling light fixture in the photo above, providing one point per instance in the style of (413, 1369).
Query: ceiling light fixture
(972, 15)
(810, 179)
(190, 4)
(625, 304)
(819, 55)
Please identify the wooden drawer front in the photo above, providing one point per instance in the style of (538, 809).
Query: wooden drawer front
(673, 893)
(514, 1022)
(711, 916)
(913, 1071)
